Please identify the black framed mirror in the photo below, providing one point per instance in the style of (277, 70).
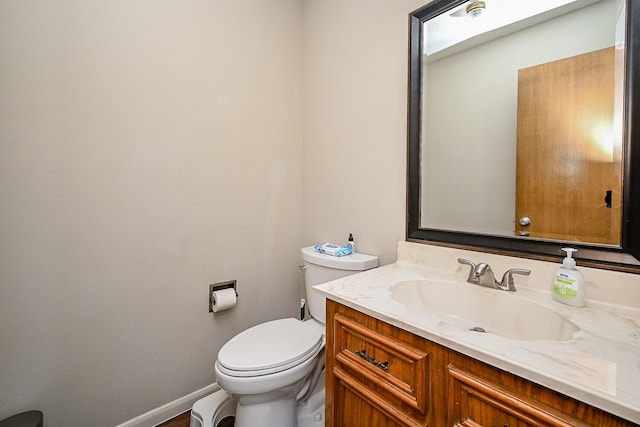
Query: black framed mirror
(621, 254)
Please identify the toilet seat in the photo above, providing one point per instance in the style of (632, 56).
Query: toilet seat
(269, 348)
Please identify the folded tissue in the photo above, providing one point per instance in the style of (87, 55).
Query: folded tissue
(334, 250)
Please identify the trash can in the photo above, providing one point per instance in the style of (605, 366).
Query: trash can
(25, 419)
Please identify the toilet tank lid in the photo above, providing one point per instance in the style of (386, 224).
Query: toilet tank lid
(354, 262)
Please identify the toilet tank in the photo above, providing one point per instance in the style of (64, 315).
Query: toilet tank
(320, 268)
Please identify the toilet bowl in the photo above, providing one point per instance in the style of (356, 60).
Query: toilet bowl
(272, 375)
(265, 367)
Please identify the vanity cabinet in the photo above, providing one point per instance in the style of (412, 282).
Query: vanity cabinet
(381, 376)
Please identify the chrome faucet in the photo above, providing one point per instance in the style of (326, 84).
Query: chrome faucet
(482, 275)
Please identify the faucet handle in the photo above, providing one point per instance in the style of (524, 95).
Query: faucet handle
(507, 278)
(472, 271)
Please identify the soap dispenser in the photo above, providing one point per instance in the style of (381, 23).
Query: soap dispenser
(568, 283)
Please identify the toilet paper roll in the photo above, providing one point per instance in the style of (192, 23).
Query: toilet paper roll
(224, 299)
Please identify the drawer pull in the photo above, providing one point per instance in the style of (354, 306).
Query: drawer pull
(365, 356)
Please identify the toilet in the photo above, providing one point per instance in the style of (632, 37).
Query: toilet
(272, 375)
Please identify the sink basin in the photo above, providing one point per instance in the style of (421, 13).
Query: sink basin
(480, 309)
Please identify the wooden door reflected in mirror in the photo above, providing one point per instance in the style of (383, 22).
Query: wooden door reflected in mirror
(569, 169)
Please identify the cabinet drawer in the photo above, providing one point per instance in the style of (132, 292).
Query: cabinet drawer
(477, 402)
(384, 368)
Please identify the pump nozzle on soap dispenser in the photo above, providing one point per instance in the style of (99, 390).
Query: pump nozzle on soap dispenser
(568, 261)
(568, 283)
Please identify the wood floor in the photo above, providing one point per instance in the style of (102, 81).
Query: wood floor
(181, 420)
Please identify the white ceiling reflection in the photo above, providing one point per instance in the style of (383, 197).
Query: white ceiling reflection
(456, 30)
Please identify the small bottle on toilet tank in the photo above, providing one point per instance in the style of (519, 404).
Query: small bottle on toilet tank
(351, 243)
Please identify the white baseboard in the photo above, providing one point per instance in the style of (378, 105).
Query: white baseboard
(172, 409)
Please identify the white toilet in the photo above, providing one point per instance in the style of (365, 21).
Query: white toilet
(272, 375)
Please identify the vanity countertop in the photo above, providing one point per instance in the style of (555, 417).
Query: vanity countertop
(599, 365)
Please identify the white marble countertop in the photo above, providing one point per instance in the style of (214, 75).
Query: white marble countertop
(599, 365)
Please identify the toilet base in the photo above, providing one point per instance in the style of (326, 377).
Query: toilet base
(311, 412)
(217, 410)
(278, 413)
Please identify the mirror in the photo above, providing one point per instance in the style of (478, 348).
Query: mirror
(504, 108)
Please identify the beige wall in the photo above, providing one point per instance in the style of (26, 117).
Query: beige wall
(151, 148)
(147, 149)
(354, 141)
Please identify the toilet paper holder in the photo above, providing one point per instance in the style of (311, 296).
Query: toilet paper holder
(231, 284)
